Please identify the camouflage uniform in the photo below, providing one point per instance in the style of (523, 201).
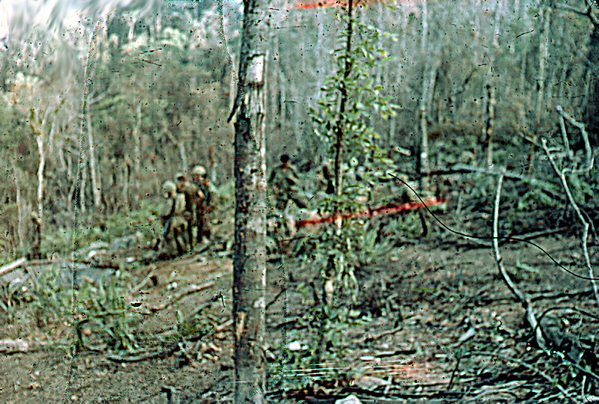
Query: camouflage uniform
(172, 219)
(204, 205)
(283, 181)
(191, 194)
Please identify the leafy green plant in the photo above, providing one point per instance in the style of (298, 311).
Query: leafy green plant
(105, 308)
(143, 221)
(319, 344)
(350, 97)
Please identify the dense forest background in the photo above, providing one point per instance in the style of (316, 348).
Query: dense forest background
(161, 88)
(485, 111)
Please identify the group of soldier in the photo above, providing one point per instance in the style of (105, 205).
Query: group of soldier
(189, 200)
(184, 213)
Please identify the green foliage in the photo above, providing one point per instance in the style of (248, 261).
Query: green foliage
(47, 300)
(105, 308)
(320, 344)
(197, 324)
(143, 221)
(350, 98)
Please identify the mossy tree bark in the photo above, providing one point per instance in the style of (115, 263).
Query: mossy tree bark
(249, 273)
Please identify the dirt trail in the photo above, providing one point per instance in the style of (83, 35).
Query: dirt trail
(427, 304)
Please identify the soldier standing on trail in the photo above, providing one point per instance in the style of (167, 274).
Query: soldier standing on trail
(283, 181)
(172, 218)
(191, 194)
(204, 205)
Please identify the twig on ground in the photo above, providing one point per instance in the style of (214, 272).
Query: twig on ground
(12, 346)
(562, 176)
(530, 367)
(142, 283)
(374, 337)
(5, 269)
(275, 299)
(144, 355)
(187, 291)
(524, 299)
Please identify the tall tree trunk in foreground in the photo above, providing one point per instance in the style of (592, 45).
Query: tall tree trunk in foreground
(249, 273)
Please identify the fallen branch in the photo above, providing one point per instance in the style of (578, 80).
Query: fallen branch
(185, 292)
(12, 346)
(562, 176)
(544, 375)
(467, 169)
(557, 295)
(275, 299)
(224, 325)
(374, 337)
(524, 299)
(146, 355)
(538, 234)
(5, 269)
(143, 283)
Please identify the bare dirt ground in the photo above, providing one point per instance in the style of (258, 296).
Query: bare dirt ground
(430, 306)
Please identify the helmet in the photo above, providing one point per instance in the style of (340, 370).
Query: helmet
(179, 175)
(199, 170)
(168, 187)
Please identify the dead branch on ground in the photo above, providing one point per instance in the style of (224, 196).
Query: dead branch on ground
(562, 176)
(8, 268)
(185, 292)
(522, 297)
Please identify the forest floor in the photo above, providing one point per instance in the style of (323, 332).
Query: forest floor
(429, 307)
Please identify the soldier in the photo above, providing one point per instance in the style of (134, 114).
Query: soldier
(283, 180)
(326, 180)
(192, 196)
(203, 206)
(37, 237)
(174, 224)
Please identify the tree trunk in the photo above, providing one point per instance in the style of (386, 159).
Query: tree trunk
(488, 122)
(249, 274)
(137, 152)
(96, 187)
(40, 177)
(543, 56)
(423, 165)
(83, 184)
(213, 165)
(340, 119)
(591, 99)
(19, 209)
(223, 37)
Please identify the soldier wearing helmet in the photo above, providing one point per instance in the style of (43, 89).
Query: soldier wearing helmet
(203, 206)
(174, 225)
(284, 183)
(192, 196)
(283, 180)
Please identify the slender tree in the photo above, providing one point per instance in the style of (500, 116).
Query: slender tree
(249, 274)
